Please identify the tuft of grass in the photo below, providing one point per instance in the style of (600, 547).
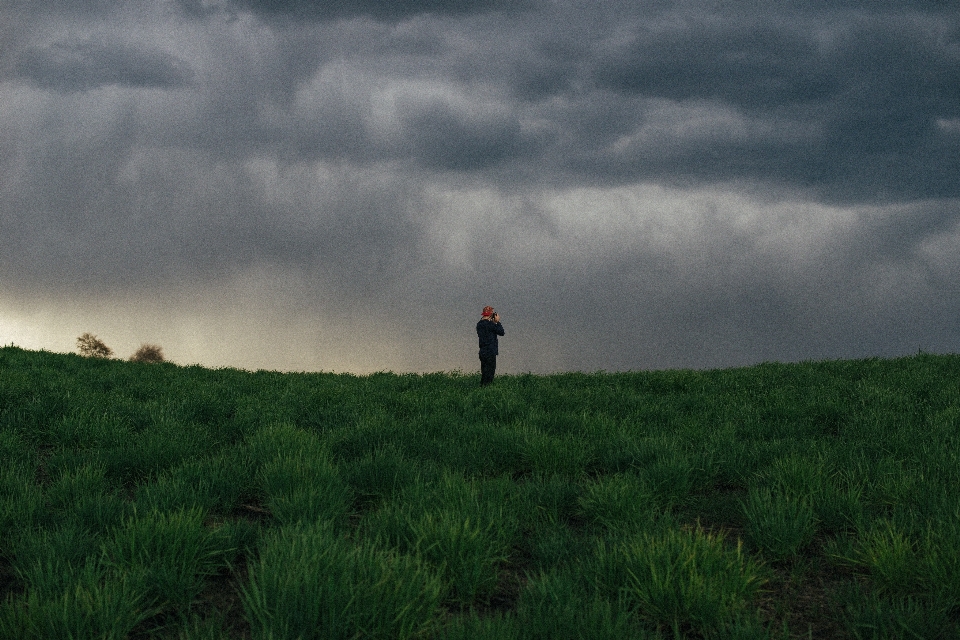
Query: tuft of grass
(890, 557)
(463, 529)
(198, 628)
(304, 488)
(547, 454)
(472, 626)
(671, 479)
(780, 525)
(902, 565)
(278, 438)
(310, 584)
(467, 553)
(173, 551)
(869, 614)
(297, 477)
(552, 499)
(379, 475)
(554, 544)
(21, 500)
(840, 510)
(555, 603)
(96, 603)
(84, 497)
(941, 569)
(797, 476)
(619, 502)
(48, 561)
(86, 428)
(214, 485)
(682, 580)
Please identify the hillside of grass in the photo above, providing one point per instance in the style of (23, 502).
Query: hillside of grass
(799, 500)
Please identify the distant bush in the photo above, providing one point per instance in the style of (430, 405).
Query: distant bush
(90, 346)
(148, 353)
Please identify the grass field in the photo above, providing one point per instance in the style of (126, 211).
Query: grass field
(777, 501)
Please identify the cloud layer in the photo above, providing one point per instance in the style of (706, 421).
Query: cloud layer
(303, 185)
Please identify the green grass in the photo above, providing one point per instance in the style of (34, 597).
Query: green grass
(815, 499)
(310, 583)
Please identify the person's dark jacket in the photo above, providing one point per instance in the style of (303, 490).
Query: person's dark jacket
(487, 331)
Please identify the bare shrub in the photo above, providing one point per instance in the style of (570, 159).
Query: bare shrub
(148, 353)
(90, 346)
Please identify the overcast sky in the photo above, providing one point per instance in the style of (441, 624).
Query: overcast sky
(298, 185)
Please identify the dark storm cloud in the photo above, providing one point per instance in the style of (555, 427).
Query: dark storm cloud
(634, 184)
(847, 104)
(174, 218)
(873, 282)
(751, 66)
(442, 138)
(81, 66)
(388, 10)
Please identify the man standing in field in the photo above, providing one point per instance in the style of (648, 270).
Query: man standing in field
(488, 329)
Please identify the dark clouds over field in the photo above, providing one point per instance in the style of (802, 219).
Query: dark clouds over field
(343, 185)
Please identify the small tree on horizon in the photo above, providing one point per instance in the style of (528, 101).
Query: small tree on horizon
(90, 346)
(148, 353)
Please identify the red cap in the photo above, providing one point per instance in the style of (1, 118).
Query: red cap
(487, 312)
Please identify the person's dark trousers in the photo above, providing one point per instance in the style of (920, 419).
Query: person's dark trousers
(488, 366)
